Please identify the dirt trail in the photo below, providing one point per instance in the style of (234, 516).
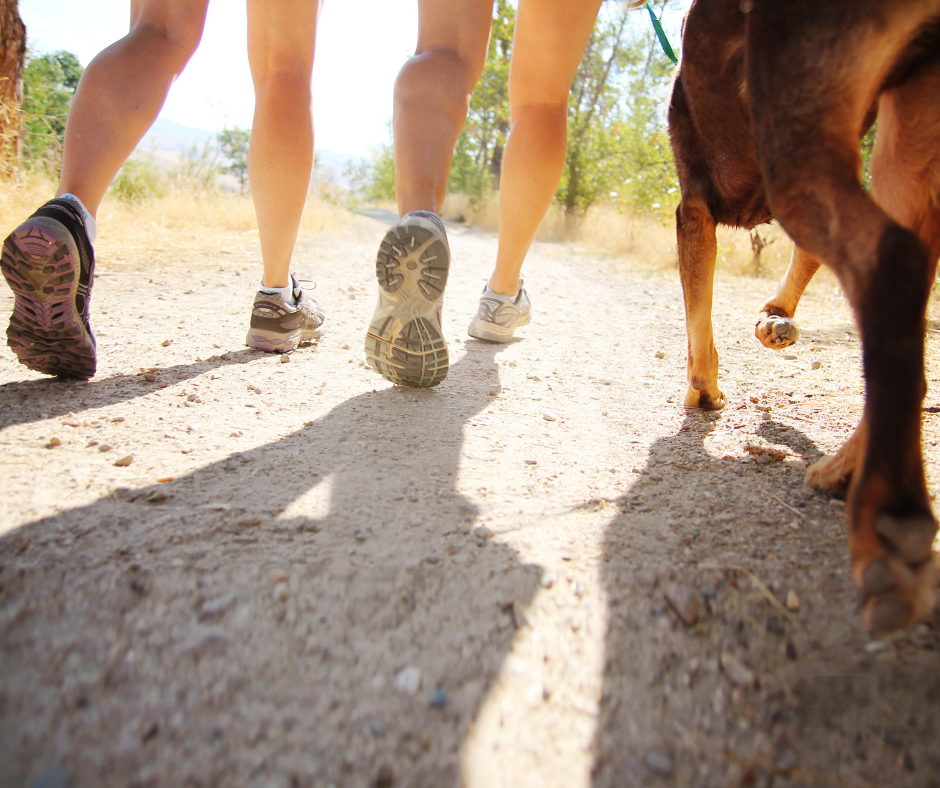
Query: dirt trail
(307, 577)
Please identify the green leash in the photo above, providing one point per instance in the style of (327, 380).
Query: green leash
(661, 35)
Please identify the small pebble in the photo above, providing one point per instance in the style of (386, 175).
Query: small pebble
(531, 462)
(816, 365)
(876, 647)
(737, 672)
(251, 522)
(124, 461)
(482, 533)
(660, 354)
(439, 699)
(285, 359)
(149, 377)
(104, 447)
(281, 592)
(156, 497)
(432, 559)
(548, 579)
(408, 681)
(687, 602)
(166, 342)
(549, 416)
(793, 601)
(53, 442)
(277, 575)
(659, 763)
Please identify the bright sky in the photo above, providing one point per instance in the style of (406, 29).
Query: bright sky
(361, 46)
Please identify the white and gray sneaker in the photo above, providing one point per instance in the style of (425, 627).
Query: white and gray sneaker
(279, 327)
(405, 342)
(499, 315)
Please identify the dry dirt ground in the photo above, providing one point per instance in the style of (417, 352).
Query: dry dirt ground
(544, 572)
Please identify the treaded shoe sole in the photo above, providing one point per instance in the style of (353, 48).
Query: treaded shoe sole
(404, 343)
(40, 262)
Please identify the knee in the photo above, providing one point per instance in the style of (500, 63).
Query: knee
(175, 40)
(693, 215)
(440, 70)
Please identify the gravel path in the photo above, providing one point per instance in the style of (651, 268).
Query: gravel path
(545, 572)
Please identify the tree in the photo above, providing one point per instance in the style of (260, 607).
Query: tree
(49, 83)
(12, 61)
(618, 147)
(478, 157)
(233, 143)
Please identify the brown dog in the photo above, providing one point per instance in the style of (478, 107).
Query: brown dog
(769, 105)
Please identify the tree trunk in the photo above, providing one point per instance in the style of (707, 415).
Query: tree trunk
(12, 59)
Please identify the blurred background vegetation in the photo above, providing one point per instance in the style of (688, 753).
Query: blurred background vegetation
(618, 192)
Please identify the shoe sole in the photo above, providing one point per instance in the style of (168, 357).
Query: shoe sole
(41, 264)
(490, 332)
(404, 343)
(275, 342)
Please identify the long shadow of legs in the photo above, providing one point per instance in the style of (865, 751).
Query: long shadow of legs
(710, 683)
(22, 402)
(312, 611)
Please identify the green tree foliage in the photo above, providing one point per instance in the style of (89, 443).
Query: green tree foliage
(618, 146)
(49, 83)
(478, 157)
(233, 144)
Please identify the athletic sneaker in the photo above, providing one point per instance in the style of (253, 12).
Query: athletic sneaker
(405, 343)
(499, 315)
(49, 264)
(278, 327)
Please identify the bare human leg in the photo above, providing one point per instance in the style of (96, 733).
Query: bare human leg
(122, 91)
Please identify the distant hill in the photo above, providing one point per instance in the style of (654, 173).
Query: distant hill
(168, 140)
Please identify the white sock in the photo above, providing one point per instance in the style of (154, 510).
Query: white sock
(91, 226)
(286, 293)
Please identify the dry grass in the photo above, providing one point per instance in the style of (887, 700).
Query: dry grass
(186, 223)
(483, 214)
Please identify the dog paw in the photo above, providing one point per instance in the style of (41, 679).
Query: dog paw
(776, 331)
(831, 474)
(895, 594)
(705, 399)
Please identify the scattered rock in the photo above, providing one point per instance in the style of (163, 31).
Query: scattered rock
(535, 695)
(157, 496)
(531, 462)
(439, 699)
(793, 601)
(149, 377)
(482, 534)
(281, 592)
(166, 342)
(105, 447)
(660, 354)
(737, 672)
(816, 365)
(432, 559)
(549, 416)
(251, 522)
(385, 778)
(548, 579)
(659, 763)
(53, 442)
(124, 461)
(52, 777)
(285, 359)
(686, 601)
(408, 681)
(213, 607)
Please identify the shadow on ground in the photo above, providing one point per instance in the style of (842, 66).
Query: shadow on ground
(741, 691)
(312, 611)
